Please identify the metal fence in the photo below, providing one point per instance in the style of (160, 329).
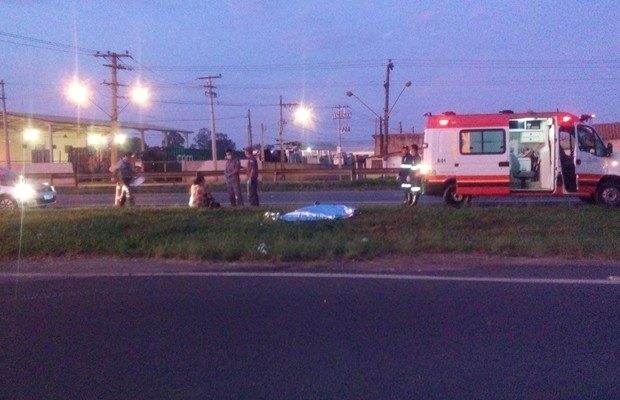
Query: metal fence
(186, 177)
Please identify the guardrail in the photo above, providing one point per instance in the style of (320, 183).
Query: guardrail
(185, 177)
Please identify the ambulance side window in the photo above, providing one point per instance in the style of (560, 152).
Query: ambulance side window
(589, 141)
(489, 141)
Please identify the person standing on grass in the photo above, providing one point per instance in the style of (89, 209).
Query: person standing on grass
(252, 175)
(123, 171)
(233, 182)
(405, 165)
(416, 159)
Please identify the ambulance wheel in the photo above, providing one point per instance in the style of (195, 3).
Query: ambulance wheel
(453, 199)
(608, 194)
(412, 199)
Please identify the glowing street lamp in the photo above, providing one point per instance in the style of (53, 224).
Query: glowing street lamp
(140, 94)
(304, 116)
(78, 92)
(95, 140)
(31, 135)
(120, 138)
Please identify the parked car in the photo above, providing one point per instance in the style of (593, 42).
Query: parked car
(16, 192)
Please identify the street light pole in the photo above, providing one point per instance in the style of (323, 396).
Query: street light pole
(281, 131)
(383, 120)
(351, 94)
(386, 109)
(4, 127)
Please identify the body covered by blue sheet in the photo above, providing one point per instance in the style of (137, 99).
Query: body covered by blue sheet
(319, 212)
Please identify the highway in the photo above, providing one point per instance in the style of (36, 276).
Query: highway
(510, 334)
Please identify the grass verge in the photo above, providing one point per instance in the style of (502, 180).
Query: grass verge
(568, 231)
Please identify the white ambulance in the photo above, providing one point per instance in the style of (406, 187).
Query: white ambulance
(509, 154)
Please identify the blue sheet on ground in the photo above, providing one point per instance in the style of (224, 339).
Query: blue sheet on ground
(319, 212)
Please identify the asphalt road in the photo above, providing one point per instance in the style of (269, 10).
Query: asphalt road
(354, 198)
(468, 335)
(266, 198)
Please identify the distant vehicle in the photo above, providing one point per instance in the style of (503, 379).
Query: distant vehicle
(15, 192)
(508, 154)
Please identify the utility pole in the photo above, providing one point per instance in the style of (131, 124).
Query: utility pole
(386, 110)
(281, 124)
(262, 142)
(340, 113)
(249, 130)
(114, 66)
(212, 94)
(4, 127)
(381, 141)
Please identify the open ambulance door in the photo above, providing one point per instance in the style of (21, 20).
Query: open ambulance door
(588, 153)
(531, 154)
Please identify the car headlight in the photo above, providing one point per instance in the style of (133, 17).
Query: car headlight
(24, 192)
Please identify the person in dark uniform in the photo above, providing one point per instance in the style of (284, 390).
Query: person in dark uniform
(416, 159)
(405, 165)
(252, 175)
(233, 183)
(405, 170)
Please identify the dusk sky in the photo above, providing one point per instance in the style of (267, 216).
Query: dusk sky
(466, 56)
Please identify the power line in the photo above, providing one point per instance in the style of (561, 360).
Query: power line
(45, 44)
(513, 64)
(269, 67)
(360, 64)
(29, 41)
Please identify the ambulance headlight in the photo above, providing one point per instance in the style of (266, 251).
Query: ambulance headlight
(24, 192)
(424, 169)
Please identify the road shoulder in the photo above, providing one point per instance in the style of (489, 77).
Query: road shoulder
(420, 263)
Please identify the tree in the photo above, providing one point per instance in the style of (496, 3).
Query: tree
(173, 139)
(132, 144)
(222, 142)
(202, 139)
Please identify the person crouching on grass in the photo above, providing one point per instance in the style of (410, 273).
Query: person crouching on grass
(199, 194)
